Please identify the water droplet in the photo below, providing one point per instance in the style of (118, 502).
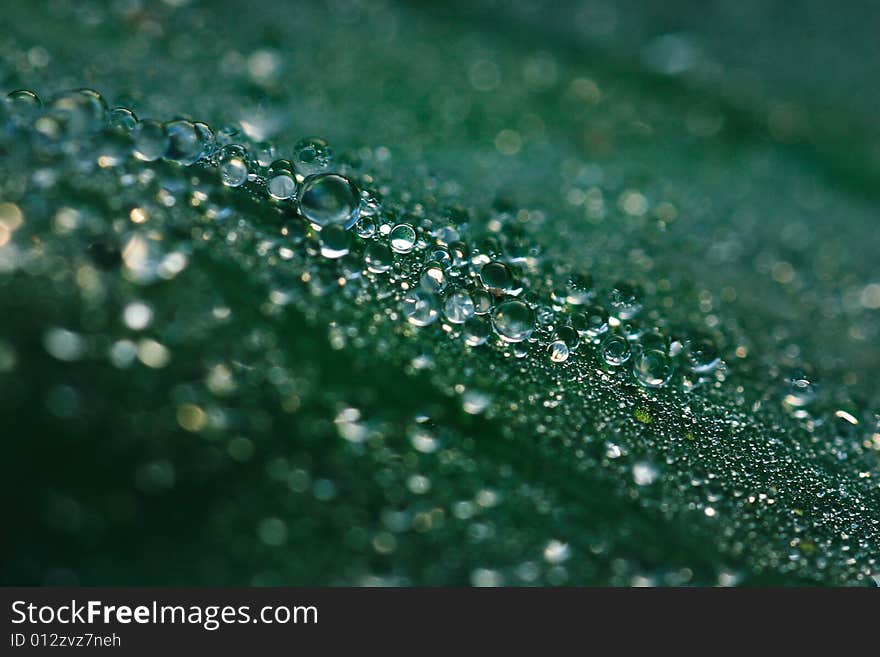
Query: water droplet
(433, 279)
(569, 336)
(497, 277)
(281, 180)
(801, 392)
(625, 301)
(514, 321)
(312, 155)
(334, 241)
(592, 321)
(378, 257)
(476, 331)
(264, 153)
(419, 308)
(482, 302)
(365, 227)
(580, 289)
(459, 307)
(184, 145)
(558, 351)
(150, 140)
(206, 138)
(122, 118)
(232, 160)
(79, 112)
(22, 105)
(402, 238)
(329, 198)
(702, 355)
(615, 350)
(652, 368)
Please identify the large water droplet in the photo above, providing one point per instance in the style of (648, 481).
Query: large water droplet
(497, 277)
(232, 160)
(22, 105)
(79, 112)
(459, 307)
(625, 301)
(378, 257)
(652, 368)
(419, 308)
(558, 351)
(402, 238)
(281, 180)
(150, 140)
(184, 145)
(592, 321)
(329, 198)
(615, 350)
(476, 331)
(514, 321)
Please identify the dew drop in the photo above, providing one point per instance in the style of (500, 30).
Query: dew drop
(378, 257)
(22, 105)
(580, 289)
(329, 198)
(281, 180)
(514, 321)
(419, 308)
(625, 301)
(402, 238)
(459, 307)
(702, 356)
(365, 227)
(150, 140)
(79, 112)
(569, 336)
(558, 351)
(801, 392)
(334, 241)
(476, 331)
(122, 118)
(232, 161)
(652, 368)
(433, 279)
(482, 302)
(184, 145)
(497, 277)
(615, 350)
(312, 155)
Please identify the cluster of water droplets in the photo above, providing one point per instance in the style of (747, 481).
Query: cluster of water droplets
(484, 288)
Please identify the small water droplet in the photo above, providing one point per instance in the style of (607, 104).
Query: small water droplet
(312, 155)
